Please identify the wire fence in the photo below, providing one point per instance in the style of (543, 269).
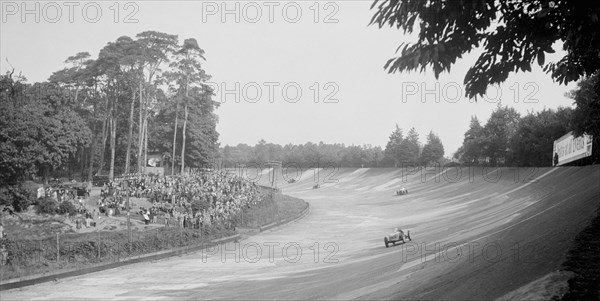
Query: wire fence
(63, 251)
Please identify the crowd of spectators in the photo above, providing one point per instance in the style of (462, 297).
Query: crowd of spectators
(188, 201)
(192, 200)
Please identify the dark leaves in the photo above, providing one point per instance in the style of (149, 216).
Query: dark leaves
(525, 31)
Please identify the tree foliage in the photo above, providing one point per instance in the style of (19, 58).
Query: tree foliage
(433, 151)
(38, 129)
(392, 148)
(472, 147)
(308, 155)
(532, 142)
(410, 148)
(511, 140)
(586, 115)
(498, 130)
(513, 34)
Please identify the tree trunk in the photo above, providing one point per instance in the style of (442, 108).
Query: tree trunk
(93, 146)
(145, 142)
(175, 136)
(185, 117)
(82, 161)
(140, 131)
(113, 134)
(129, 137)
(183, 143)
(91, 154)
(104, 136)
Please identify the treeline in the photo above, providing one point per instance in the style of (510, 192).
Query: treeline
(512, 140)
(305, 155)
(508, 139)
(397, 151)
(104, 115)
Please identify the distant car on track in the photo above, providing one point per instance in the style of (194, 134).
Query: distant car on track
(402, 191)
(396, 236)
(317, 186)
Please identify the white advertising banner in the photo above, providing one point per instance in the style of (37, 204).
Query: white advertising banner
(569, 148)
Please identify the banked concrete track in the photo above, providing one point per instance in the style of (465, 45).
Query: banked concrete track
(477, 236)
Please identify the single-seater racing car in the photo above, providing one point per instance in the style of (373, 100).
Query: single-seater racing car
(402, 191)
(397, 236)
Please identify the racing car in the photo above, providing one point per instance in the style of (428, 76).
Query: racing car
(396, 236)
(317, 186)
(402, 191)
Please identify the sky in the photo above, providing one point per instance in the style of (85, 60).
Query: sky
(285, 71)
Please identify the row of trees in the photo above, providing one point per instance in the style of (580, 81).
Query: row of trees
(103, 116)
(307, 155)
(507, 138)
(408, 150)
(399, 150)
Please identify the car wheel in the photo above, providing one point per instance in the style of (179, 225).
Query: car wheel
(385, 240)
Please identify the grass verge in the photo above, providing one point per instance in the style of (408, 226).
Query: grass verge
(584, 260)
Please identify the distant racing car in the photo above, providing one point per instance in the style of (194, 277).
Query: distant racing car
(317, 186)
(396, 236)
(402, 191)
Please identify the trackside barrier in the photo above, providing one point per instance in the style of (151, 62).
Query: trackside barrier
(54, 276)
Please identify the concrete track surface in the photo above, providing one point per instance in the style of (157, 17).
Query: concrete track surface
(477, 234)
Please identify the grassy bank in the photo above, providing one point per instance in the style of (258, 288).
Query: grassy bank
(281, 207)
(584, 260)
(72, 251)
(67, 250)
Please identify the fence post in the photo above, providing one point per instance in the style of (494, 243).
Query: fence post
(98, 244)
(57, 249)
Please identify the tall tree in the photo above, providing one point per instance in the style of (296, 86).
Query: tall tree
(111, 64)
(190, 72)
(156, 48)
(392, 148)
(433, 151)
(409, 148)
(472, 147)
(498, 131)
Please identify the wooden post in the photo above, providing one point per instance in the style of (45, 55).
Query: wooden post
(128, 216)
(57, 249)
(98, 244)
